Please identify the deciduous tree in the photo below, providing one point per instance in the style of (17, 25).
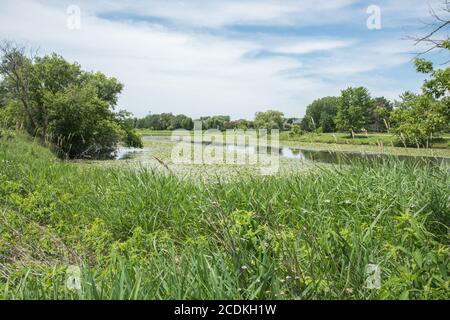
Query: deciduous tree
(353, 108)
(64, 105)
(269, 120)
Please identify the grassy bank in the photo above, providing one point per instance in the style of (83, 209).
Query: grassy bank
(368, 149)
(372, 139)
(143, 234)
(148, 132)
(343, 138)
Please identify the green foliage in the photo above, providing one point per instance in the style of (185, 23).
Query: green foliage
(64, 105)
(320, 114)
(215, 122)
(129, 135)
(439, 84)
(424, 66)
(420, 117)
(82, 123)
(241, 124)
(269, 120)
(164, 121)
(182, 122)
(3, 95)
(295, 131)
(143, 234)
(353, 108)
(10, 115)
(379, 115)
(357, 111)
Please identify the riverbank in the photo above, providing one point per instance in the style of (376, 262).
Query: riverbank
(370, 139)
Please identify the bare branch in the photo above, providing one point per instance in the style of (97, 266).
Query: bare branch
(442, 22)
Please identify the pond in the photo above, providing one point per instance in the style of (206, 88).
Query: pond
(124, 153)
(305, 155)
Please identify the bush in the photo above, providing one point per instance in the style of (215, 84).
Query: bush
(62, 104)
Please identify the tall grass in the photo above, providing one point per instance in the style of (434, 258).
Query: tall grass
(144, 234)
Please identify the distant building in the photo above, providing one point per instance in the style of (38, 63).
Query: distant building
(293, 121)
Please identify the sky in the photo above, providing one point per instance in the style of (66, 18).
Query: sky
(231, 57)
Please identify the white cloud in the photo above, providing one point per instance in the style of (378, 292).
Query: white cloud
(196, 72)
(217, 13)
(308, 46)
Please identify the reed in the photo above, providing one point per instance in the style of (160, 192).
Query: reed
(148, 234)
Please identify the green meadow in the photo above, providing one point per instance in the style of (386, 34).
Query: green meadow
(252, 150)
(138, 230)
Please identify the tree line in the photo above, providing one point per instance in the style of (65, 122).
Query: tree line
(168, 121)
(354, 110)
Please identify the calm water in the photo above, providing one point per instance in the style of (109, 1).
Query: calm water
(334, 157)
(124, 153)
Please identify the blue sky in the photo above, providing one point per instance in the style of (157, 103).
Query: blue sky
(233, 57)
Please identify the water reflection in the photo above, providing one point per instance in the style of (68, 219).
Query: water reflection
(333, 157)
(336, 157)
(124, 153)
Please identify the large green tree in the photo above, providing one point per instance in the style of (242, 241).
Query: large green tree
(320, 115)
(418, 118)
(151, 121)
(72, 109)
(181, 121)
(353, 109)
(215, 122)
(379, 115)
(241, 124)
(269, 120)
(164, 121)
